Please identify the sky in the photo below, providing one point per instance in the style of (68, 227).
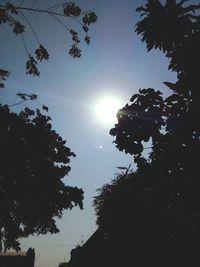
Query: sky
(115, 64)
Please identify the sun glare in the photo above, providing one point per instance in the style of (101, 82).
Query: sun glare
(106, 109)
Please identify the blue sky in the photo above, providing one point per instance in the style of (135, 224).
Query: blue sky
(115, 63)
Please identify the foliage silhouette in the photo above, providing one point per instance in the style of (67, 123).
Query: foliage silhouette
(18, 19)
(34, 160)
(34, 157)
(159, 202)
(174, 29)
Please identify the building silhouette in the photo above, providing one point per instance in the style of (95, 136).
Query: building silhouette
(18, 259)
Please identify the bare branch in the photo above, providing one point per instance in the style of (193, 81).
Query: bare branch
(60, 21)
(55, 6)
(34, 2)
(21, 4)
(38, 10)
(31, 27)
(24, 43)
(18, 103)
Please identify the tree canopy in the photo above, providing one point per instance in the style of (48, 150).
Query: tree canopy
(34, 160)
(18, 18)
(34, 157)
(163, 191)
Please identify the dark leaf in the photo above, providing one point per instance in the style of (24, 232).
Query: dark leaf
(29, 112)
(11, 8)
(75, 38)
(33, 97)
(41, 53)
(4, 74)
(121, 168)
(89, 18)
(87, 39)
(45, 108)
(22, 96)
(70, 9)
(85, 28)
(4, 17)
(75, 52)
(18, 28)
(31, 67)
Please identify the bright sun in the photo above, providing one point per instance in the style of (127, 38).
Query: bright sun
(106, 109)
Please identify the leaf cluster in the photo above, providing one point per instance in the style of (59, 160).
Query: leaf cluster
(3, 75)
(18, 19)
(139, 121)
(173, 27)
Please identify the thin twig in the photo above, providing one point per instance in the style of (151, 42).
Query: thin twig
(12, 19)
(60, 22)
(33, 31)
(45, 11)
(15, 99)
(34, 2)
(24, 43)
(88, 11)
(18, 103)
(22, 2)
(52, 7)
(76, 20)
(33, 15)
(37, 10)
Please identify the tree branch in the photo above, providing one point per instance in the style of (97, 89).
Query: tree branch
(38, 10)
(28, 22)
(58, 20)
(18, 103)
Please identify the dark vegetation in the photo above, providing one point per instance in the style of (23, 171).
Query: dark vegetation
(34, 160)
(34, 157)
(18, 18)
(152, 215)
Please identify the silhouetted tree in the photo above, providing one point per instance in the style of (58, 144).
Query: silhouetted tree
(164, 191)
(17, 17)
(174, 29)
(34, 160)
